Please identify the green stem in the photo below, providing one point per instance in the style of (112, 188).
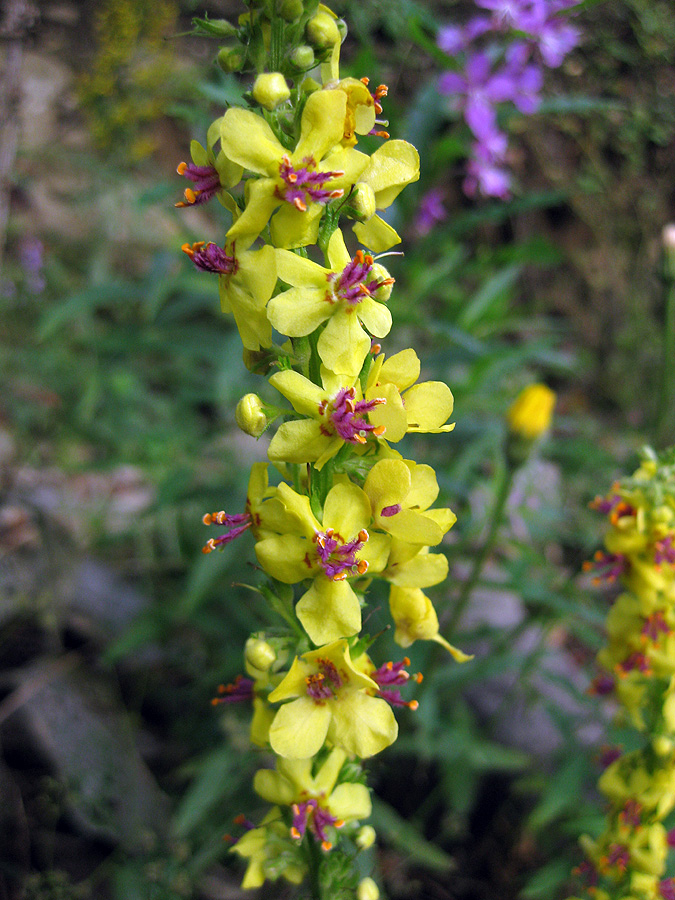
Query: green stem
(480, 558)
(667, 392)
(314, 861)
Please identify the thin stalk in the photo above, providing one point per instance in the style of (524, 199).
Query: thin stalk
(667, 392)
(480, 558)
(314, 861)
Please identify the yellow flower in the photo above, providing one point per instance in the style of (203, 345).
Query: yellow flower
(301, 182)
(332, 703)
(318, 804)
(337, 414)
(407, 407)
(328, 552)
(246, 280)
(271, 853)
(529, 416)
(400, 494)
(344, 296)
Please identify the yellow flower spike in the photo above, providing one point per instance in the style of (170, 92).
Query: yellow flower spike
(301, 182)
(392, 167)
(400, 492)
(341, 296)
(328, 553)
(529, 416)
(415, 619)
(331, 703)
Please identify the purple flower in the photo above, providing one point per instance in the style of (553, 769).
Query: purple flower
(430, 212)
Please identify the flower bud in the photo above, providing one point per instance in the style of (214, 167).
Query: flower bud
(361, 204)
(342, 28)
(216, 27)
(322, 31)
(365, 837)
(383, 292)
(303, 57)
(529, 416)
(290, 10)
(250, 415)
(662, 745)
(259, 654)
(367, 890)
(231, 59)
(270, 90)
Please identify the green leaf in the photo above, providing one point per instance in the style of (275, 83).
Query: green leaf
(406, 837)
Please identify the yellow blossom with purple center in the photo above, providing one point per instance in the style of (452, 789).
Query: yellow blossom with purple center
(344, 296)
(330, 700)
(328, 552)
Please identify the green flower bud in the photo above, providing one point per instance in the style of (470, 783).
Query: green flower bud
(259, 654)
(361, 204)
(303, 57)
(290, 10)
(216, 27)
(367, 890)
(342, 28)
(365, 837)
(322, 31)
(231, 59)
(270, 90)
(250, 415)
(383, 292)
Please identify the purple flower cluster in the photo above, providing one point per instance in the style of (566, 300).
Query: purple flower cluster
(497, 71)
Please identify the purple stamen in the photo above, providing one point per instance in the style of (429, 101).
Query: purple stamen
(353, 283)
(241, 690)
(211, 258)
(304, 185)
(206, 183)
(606, 566)
(664, 551)
(654, 626)
(388, 676)
(348, 417)
(236, 524)
(389, 511)
(324, 684)
(667, 888)
(339, 558)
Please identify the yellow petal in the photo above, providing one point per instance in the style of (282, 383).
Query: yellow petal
(305, 396)
(362, 725)
(428, 405)
(343, 345)
(299, 728)
(338, 255)
(321, 125)
(387, 484)
(401, 369)
(300, 272)
(375, 316)
(299, 311)
(350, 801)
(347, 510)
(301, 441)
(248, 140)
(329, 610)
(391, 414)
(274, 788)
(283, 557)
(376, 234)
(394, 165)
(290, 227)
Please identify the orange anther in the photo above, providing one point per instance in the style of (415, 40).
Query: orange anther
(362, 567)
(300, 204)
(363, 535)
(181, 167)
(412, 704)
(326, 845)
(189, 195)
(406, 661)
(206, 519)
(379, 431)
